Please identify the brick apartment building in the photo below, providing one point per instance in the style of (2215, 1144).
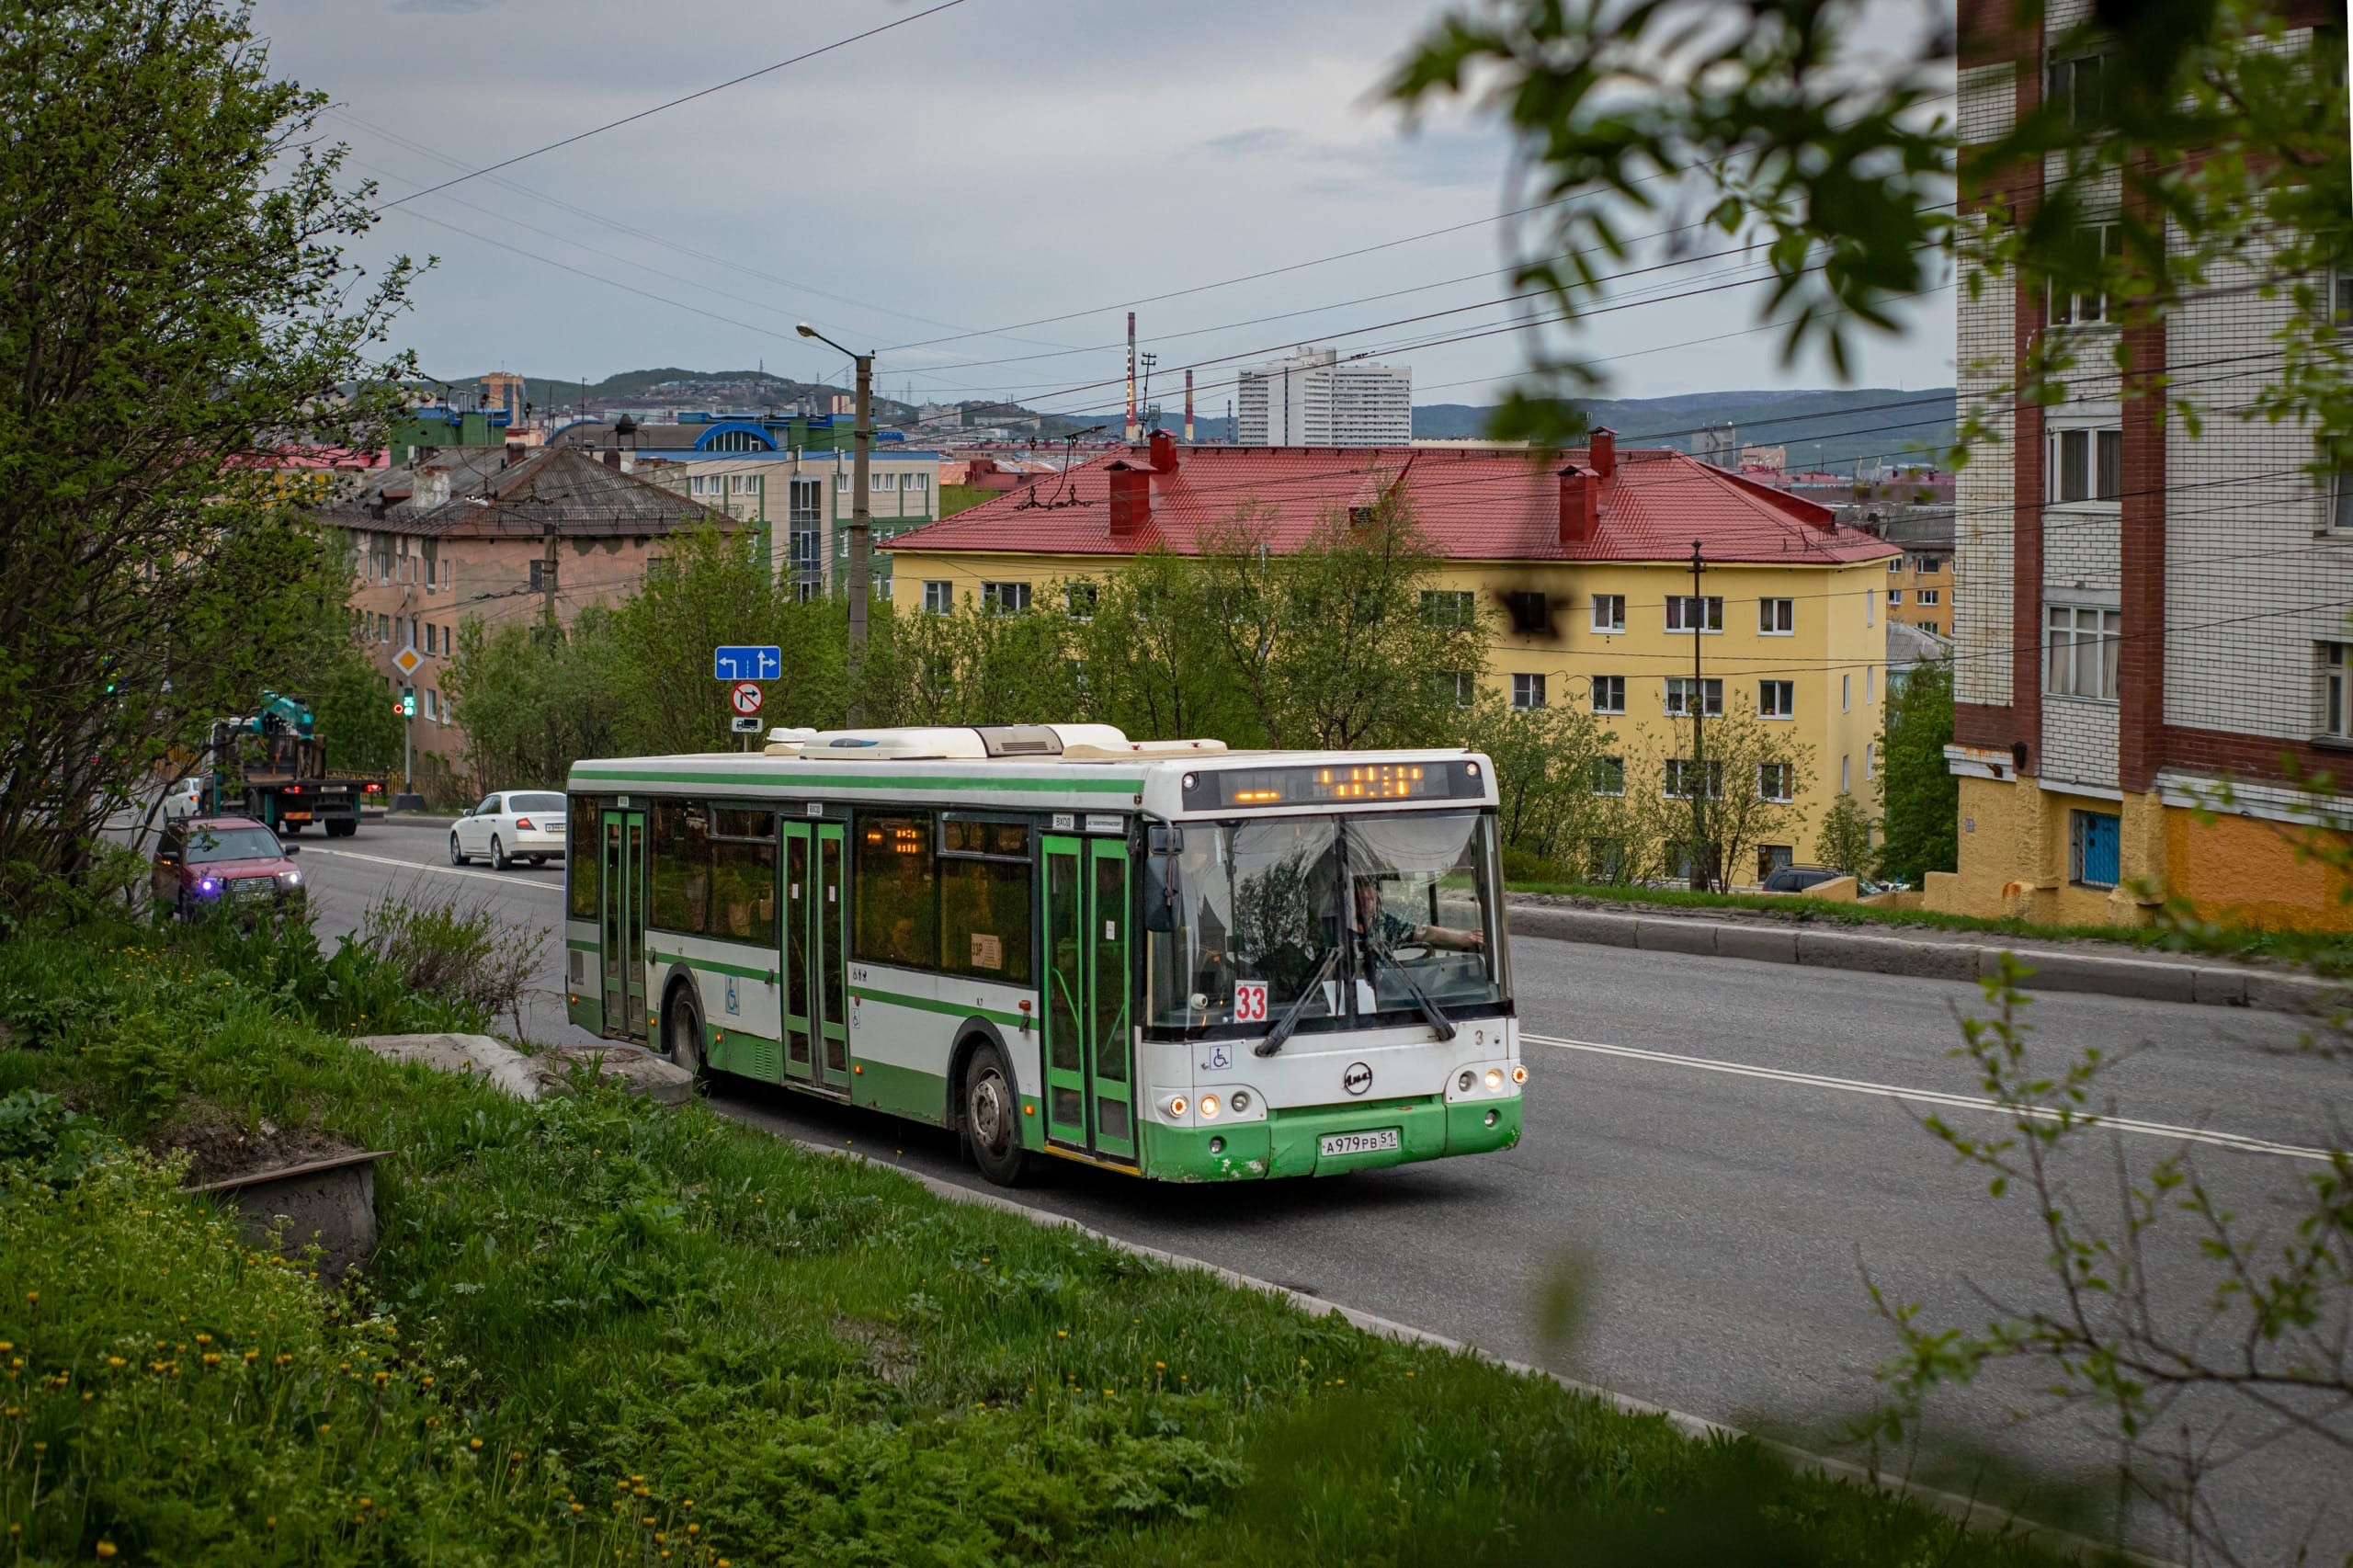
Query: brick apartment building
(468, 534)
(2143, 612)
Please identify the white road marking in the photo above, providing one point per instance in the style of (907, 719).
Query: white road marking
(502, 880)
(1939, 1098)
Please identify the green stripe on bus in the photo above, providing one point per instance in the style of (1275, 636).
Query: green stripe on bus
(1097, 785)
(713, 965)
(580, 947)
(926, 1004)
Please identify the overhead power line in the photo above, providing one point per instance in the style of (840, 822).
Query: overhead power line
(674, 103)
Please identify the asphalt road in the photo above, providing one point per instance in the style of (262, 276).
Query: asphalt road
(1718, 1151)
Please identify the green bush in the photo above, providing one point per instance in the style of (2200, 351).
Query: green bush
(672, 1332)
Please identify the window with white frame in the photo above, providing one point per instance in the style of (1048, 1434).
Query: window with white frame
(1005, 598)
(1894, 596)
(1776, 699)
(1846, 774)
(1776, 781)
(1449, 607)
(2078, 88)
(2088, 307)
(915, 484)
(1609, 612)
(938, 597)
(1527, 691)
(1609, 694)
(878, 483)
(1896, 564)
(1870, 685)
(1681, 690)
(2086, 465)
(1683, 776)
(1776, 618)
(2083, 647)
(1080, 599)
(1847, 693)
(841, 481)
(1930, 598)
(1609, 775)
(1461, 687)
(1686, 613)
(2333, 689)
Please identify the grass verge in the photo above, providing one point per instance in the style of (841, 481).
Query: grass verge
(600, 1331)
(2325, 952)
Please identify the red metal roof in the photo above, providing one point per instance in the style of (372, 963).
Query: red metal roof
(1472, 505)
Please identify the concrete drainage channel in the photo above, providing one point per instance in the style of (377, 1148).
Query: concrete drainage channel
(1769, 940)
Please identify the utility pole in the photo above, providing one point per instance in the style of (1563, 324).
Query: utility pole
(547, 581)
(860, 520)
(1696, 620)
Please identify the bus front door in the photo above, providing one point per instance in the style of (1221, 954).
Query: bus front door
(622, 923)
(1090, 1087)
(816, 1023)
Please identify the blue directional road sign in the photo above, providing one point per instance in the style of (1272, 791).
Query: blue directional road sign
(750, 662)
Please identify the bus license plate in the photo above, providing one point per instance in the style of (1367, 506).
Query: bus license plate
(1360, 1142)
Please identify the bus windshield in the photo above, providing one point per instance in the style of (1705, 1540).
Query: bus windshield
(1340, 914)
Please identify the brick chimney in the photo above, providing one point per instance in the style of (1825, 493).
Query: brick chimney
(1163, 452)
(1601, 451)
(1580, 503)
(1131, 497)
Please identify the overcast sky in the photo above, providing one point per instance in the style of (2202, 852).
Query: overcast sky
(927, 192)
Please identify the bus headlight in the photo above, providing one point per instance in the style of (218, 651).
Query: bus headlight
(1495, 1078)
(1208, 1107)
(1177, 1106)
(1519, 1073)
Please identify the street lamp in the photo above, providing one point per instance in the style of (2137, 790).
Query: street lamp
(862, 439)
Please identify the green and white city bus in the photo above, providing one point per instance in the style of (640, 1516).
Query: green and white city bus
(1163, 957)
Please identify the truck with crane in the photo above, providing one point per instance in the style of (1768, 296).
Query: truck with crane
(270, 764)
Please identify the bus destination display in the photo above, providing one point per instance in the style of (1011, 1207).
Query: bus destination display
(1354, 783)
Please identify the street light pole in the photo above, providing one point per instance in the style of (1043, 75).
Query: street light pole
(860, 520)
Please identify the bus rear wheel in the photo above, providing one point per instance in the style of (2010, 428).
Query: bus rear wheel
(682, 1027)
(993, 1117)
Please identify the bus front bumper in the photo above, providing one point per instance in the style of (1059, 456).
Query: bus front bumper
(1290, 1142)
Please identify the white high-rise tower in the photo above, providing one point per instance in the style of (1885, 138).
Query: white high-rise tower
(1315, 398)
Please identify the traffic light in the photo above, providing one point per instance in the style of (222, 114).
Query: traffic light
(408, 702)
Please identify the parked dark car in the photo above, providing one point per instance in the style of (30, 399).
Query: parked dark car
(1797, 879)
(205, 864)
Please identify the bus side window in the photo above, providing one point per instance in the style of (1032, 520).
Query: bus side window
(984, 878)
(897, 891)
(681, 879)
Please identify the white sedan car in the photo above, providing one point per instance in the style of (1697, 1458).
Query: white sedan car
(523, 824)
(184, 799)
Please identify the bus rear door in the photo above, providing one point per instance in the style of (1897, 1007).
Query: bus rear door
(622, 923)
(816, 1024)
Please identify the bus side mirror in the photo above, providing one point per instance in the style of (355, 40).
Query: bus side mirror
(1160, 842)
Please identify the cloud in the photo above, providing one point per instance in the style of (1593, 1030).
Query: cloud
(1259, 139)
(446, 7)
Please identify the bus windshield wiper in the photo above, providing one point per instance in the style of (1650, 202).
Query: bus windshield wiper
(1289, 1023)
(1375, 949)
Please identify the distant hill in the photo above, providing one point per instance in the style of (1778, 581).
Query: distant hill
(1850, 425)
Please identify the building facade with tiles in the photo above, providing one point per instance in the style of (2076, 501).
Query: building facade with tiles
(1580, 562)
(2143, 609)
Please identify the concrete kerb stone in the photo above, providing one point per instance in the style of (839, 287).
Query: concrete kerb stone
(1771, 941)
(1595, 927)
(1677, 937)
(1763, 944)
(1972, 1512)
(1887, 955)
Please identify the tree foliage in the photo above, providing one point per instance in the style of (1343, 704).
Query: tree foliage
(1920, 798)
(173, 300)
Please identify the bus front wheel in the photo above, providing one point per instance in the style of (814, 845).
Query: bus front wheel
(992, 1115)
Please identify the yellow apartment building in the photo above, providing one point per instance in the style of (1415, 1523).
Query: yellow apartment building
(1584, 561)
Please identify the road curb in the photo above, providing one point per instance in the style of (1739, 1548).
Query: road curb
(1973, 1512)
(1878, 952)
